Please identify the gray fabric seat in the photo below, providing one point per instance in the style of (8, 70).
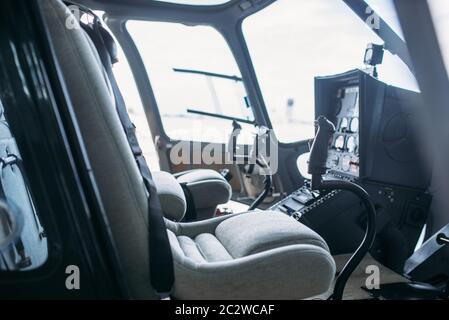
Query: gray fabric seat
(246, 256)
(255, 255)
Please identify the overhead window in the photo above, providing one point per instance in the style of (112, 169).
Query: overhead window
(191, 68)
(291, 42)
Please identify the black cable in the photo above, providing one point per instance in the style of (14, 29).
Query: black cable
(267, 186)
(370, 232)
(268, 181)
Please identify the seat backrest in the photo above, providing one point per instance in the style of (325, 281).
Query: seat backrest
(120, 185)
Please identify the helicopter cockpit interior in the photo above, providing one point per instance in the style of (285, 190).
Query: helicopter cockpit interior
(310, 195)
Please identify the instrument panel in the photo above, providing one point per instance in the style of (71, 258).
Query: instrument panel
(372, 156)
(343, 155)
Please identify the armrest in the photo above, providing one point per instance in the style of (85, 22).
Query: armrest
(171, 195)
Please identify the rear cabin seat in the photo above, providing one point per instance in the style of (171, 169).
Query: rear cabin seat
(257, 255)
(203, 190)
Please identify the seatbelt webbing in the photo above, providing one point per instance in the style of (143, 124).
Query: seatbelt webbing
(190, 212)
(161, 261)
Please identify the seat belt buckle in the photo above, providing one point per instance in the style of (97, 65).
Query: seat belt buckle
(133, 142)
(137, 152)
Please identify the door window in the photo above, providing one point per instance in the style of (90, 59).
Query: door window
(23, 242)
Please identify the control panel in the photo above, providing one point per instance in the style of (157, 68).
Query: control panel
(360, 153)
(343, 155)
(303, 201)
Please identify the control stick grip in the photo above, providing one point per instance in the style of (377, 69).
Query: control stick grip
(318, 151)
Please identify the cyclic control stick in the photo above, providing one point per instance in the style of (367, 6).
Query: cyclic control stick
(317, 167)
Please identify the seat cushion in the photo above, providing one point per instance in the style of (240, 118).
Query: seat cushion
(275, 258)
(255, 232)
(204, 248)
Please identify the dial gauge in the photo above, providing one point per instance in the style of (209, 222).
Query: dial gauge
(344, 124)
(354, 126)
(339, 143)
(351, 144)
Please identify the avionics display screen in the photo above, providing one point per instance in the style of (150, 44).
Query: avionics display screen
(343, 156)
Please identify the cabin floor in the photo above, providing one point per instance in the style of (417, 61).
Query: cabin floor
(353, 289)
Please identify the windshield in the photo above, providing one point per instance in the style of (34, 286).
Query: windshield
(291, 42)
(204, 78)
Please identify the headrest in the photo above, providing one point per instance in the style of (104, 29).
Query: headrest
(96, 25)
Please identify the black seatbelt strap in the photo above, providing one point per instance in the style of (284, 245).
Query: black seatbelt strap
(161, 261)
(191, 211)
